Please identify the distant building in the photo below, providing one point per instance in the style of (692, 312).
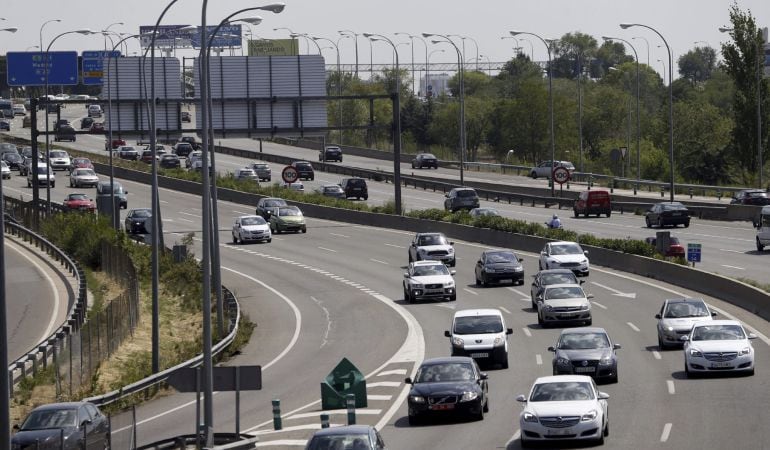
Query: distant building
(435, 84)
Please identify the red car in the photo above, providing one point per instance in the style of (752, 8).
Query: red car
(675, 248)
(79, 202)
(96, 128)
(116, 143)
(81, 163)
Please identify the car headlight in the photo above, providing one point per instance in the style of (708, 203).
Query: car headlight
(563, 362)
(696, 352)
(457, 342)
(670, 329)
(590, 415)
(529, 417)
(547, 307)
(469, 396)
(605, 361)
(585, 306)
(449, 284)
(422, 251)
(745, 351)
(518, 269)
(488, 269)
(417, 399)
(499, 341)
(451, 250)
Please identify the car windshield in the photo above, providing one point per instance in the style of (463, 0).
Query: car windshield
(435, 373)
(583, 341)
(689, 309)
(562, 391)
(673, 207)
(255, 220)
(84, 172)
(141, 213)
(289, 211)
(127, 149)
(105, 188)
(757, 194)
(718, 333)
(566, 249)
(558, 278)
(78, 197)
(50, 418)
(426, 271)
(56, 154)
(501, 257)
(340, 442)
(332, 189)
(432, 239)
(478, 325)
(556, 293)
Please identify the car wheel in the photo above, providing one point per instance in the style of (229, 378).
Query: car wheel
(687, 373)
(647, 222)
(606, 429)
(534, 305)
(484, 281)
(71, 185)
(478, 282)
(614, 379)
(486, 405)
(410, 258)
(29, 185)
(600, 441)
(504, 361)
(304, 230)
(533, 175)
(366, 198)
(53, 185)
(235, 239)
(660, 222)
(687, 224)
(540, 320)
(453, 298)
(661, 344)
(576, 213)
(413, 166)
(609, 213)
(540, 265)
(524, 443)
(589, 322)
(760, 247)
(480, 415)
(453, 263)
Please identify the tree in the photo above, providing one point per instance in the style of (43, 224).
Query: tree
(570, 54)
(610, 54)
(701, 137)
(514, 73)
(697, 64)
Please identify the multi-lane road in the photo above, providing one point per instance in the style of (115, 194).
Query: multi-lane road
(336, 291)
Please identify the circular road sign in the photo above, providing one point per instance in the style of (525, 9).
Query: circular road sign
(560, 175)
(289, 174)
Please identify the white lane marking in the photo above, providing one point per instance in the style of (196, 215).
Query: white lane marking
(513, 438)
(328, 249)
(383, 384)
(164, 201)
(527, 332)
(470, 291)
(241, 213)
(339, 235)
(392, 372)
(331, 412)
(670, 385)
(328, 320)
(394, 246)
(379, 397)
(310, 426)
(633, 327)
(656, 354)
(444, 305)
(599, 305)
(191, 215)
(731, 251)
(539, 359)
(505, 310)
(518, 292)
(283, 442)
(732, 267)
(182, 218)
(378, 261)
(666, 432)
(615, 291)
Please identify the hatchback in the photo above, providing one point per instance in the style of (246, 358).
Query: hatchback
(424, 160)
(593, 202)
(667, 213)
(71, 421)
(461, 198)
(304, 169)
(331, 153)
(355, 187)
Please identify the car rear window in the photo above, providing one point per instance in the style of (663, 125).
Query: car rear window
(563, 292)
(599, 195)
(674, 207)
(466, 193)
(356, 182)
(303, 166)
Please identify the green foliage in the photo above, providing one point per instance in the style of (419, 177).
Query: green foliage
(697, 65)
(23, 392)
(81, 235)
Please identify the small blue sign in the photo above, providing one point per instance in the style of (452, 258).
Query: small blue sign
(32, 69)
(693, 252)
(93, 65)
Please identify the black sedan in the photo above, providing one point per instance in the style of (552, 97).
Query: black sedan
(586, 351)
(756, 197)
(495, 266)
(46, 425)
(14, 160)
(547, 277)
(667, 213)
(304, 169)
(265, 206)
(170, 161)
(424, 160)
(449, 385)
(138, 221)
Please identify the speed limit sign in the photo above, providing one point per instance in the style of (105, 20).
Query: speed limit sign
(289, 174)
(560, 174)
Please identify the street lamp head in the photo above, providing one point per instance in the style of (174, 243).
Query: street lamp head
(10, 30)
(436, 42)
(274, 7)
(428, 35)
(626, 25)
(725, 29)
(368, 35)
(85, 31)
(608, 38)
(515, 33)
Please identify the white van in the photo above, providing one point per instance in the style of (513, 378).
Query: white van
(763, 228)
(480, 334)
(94, 111)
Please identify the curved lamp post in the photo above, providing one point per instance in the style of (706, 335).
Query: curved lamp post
(41, 33)
(550, 102)
(106, 29)
(647, 44)
(335, 47)
(355, 37)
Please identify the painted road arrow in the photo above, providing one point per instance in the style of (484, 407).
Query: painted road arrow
(615, 291)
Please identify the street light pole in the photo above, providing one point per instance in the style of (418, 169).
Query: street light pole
(427, 69)
(550, 102)
(355, 37)
(638, 120)
(339, 82)
(411, 40)
(670, 101)
(647, 44)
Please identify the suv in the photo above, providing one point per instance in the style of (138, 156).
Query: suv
(103, 188)
(94, 111)
(545, 168)
(45, 176)
(433, 246)
(564, 303)
(263, 171)
(355, 187)
(461, 198)
(330, 153)
(65, 132)
(304, 169)
(428, 279)
(676, 318)
(59, 159)
(593, 202)
(480, 334)
(183, 149)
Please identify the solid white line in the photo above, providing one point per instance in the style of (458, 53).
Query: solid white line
(363, 412)
(470, 291)
(378, 261)
(633, 327)
(339, 235)
(392, 372)
(383, 384)
(188, 214)
(328, 320)
(732, 267)
(666, 432)
(539, 359)
(328, 249)
(527, 332)
(182, 218)
(283, 442)
(599, 305)
(379, 397)
(505, 310)
(394, 246)
(671, 389)
(656, 354)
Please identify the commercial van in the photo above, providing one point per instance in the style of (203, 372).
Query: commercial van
(596, 201)
(763, 228)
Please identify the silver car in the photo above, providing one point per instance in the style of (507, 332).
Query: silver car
(47, 425)
(564, 303)
(262, 170)
(545, 168)
(586, 351)
(676, 318)
(83, 177)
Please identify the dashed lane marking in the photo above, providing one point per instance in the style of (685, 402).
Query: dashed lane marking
(656, 354)
(505, 310)
(527, 332)
(670, 384)
(539, 359)
(599, 305)
(666, 432)
(328, 249)
(392, 372)
(383, 384)
(379, 262)
(633, 327)
(470, 291)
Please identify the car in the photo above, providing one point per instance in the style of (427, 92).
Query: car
(96, 128)
(296, 186)
(596, 201)
(480, 334)
(65, 133)
(86, 122)
(450, 385)
(14, 160)
(564, 255)
(94, 111)
(304, 170)
(59, 160)
(427, 280)
(355, 187)
(185, 116)
(564, 303)
(330, 153)
(79, 202)
(116, 143)
(7, 147)
(170, 161)
(138, 221)
(160, 149)
(81, 163)
(147, 156)
(45, 176)
(497, 266)
(354, 437)
(545, 168)
(718, 346)
(26, 122)
(667, 213)
(192, 158)
(5, 125)
(5, 170)
(425, 160)
(83, 177)
(58, 123)
(128, 152)
(757, 197)
(586, 351)
(191, 140)
(287, 218)
(74, 422)
(546, 277)
(563, 407)
(432, 246)
(675, 247)
(6, 108)
(103, 189)
(183, 149)
(331, 190)
(251, 228)
(263, 171)
(484, 212)
(676, 318)
(246, 174)
(763, 228)
(266, 205)
(461, 198)
(19, 110)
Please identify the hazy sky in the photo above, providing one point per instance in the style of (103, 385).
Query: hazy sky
(682, 22)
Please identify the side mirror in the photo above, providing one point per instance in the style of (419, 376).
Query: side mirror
(451, 243)
(85, 422)
(752, 336)
(447, 333)
(509, 331)
(713, 313)
(406, 274)
(684, 338)
(125, 192)
(16, 427)
(483, 376)
(521, 398)
(603, 396)
(585, 252)
(582, 281)
(551, 349)
(590, 296)
(657, 316)
(446, 195)
(408, 380)
(616, 347)
(478, 262)
(452, 272)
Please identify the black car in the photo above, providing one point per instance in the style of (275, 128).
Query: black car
(330, 153)
(86, 122)
(667, 213)
(265, 206)
(461, 198)
(757, 197)
(495, 266)
(138, 221)
(65, 132)
(46, 425)
(424, 160)
(355, 187)
(14, 160)
(183, 149)
(550, 276)
(586, 351)
(449, 385)
(191, 140)
(5, 124)
(170, 161)
(304, 169)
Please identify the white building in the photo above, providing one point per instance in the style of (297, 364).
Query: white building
(435, 83)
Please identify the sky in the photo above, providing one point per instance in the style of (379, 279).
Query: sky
(681, 22)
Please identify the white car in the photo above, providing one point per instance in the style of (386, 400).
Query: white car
(59, 160)
(563, 407)
(565, 255)
(45, 176)
(432, 246)
(564, 303)
(192, 157)
(6, 171)
(718, 346)
(246, 173)
(83, 177)
(296, 186)
(429, 279)
(480, 334)
(94, 111)
(251, 228)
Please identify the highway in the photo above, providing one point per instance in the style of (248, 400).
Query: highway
(336, 291)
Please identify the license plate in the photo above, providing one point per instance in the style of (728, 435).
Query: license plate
(506, 280)
(585, 369)
(720, 364)
(559, 431)
(676, 214)
(479, 355)
(442, 407)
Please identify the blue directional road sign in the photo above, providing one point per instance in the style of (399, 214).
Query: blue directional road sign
(693, 252)
(29, 68)
(93, 65)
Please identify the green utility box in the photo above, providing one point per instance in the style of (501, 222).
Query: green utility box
(343, 380)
